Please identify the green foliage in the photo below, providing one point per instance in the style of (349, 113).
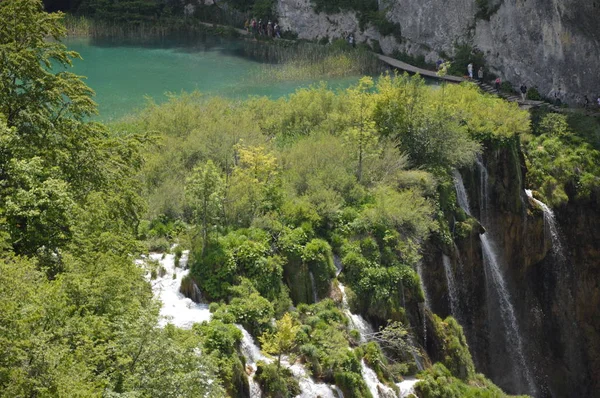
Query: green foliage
(561, 164)
(220, 341)
(427, 129)
(282, 340)
(352, 385)
(464, 54)
(438, 382)
(533, 94)
(454, 351)
(275, 382)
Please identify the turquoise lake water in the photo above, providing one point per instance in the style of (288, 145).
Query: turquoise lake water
(124, 74)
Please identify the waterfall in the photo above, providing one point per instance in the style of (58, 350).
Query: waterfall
(550, 221)
(495, 283)
(461, 192)
(452, 289)
(176, 308)
(314, 287)
(309, 388)
(483, 189)
(407, 386)
(252, 353)
(358, 322)
(507, 312)
(377, 389)
(338, 265)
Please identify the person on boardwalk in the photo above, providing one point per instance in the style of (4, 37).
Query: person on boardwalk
(470, 70)
(523, 90)
(270, 29)
(497, 84)
(480, 74)
(277, 31)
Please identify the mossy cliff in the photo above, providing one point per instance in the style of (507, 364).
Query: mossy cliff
(555, 300)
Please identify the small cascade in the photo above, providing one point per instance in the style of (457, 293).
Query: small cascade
(358, 322)
(337, 391)
(453, 292)
(176, 308)
(407, 386)
(309, 388)
(461, 192)
(377, 389)
(313, 286)
(415, 353)
(550, 221)
(252, 353)
(338, 265)
(483, 190)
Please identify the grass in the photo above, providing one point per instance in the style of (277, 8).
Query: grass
(300, 61)
(80, 26)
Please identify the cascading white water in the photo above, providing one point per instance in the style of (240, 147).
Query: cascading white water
(461, 192)
(176, 308)
(358, 322)
(313, 286)
(452, 289)
(407, 386)
(550, 221)
(338, 265)
(309, 387)
(365, 330)
(483, 190)
(252, 353)
(507, 313)
(495, 282)
(377, 389)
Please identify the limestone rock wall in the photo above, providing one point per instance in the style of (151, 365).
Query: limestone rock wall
(551, 44)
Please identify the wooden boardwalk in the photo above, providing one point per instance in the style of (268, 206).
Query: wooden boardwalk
(394, 63)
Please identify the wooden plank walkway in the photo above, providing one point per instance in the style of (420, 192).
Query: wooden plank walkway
(413, 69)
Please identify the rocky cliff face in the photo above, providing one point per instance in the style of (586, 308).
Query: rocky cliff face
(551, 44)
(556, 295)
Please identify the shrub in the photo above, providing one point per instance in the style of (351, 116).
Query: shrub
(158, 245)
(276, 382)
(533, 94)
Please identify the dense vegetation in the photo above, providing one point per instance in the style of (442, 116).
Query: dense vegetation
(271, 196)
(76, 316)
(563, 157)
(275, 190)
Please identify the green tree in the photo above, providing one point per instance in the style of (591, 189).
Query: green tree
(51, 154)
(205, 189)
(282, 340)
(361, 134)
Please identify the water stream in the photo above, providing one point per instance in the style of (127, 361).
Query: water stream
(550, 222)
(407, 386)
(313, 285)
(453, 293)
(176, 308)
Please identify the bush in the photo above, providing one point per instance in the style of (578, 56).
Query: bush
(463, 55)
(276, 383)
(533, 94)
(158, 245)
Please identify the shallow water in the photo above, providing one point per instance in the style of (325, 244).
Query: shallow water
(125, 74)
